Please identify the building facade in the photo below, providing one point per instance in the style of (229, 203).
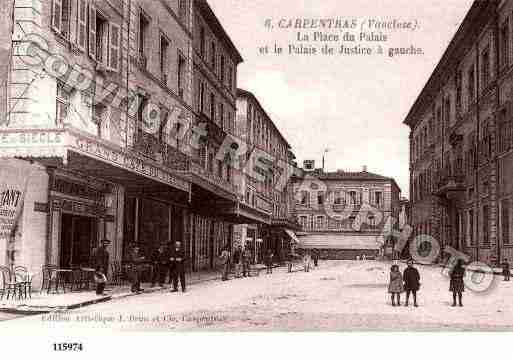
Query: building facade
(274, 200)
(343, 214)
(461, 160)
(102, 99)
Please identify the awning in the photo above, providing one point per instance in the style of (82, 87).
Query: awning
(340, 241)
(292, 235)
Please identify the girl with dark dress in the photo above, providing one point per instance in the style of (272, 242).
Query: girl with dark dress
(457, 286)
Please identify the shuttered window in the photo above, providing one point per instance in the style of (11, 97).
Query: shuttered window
(81, 24)
(92, 31)
(114, 47)
(57, 15)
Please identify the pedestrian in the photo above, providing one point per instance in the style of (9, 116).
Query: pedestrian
(237, 261)
(456, 285)
(307, 258)
(101, 280)
(179, 258)
(269, 261)
(137, 262)
(506, 272)
(246, 262)
(315, 257)
(100, 258)
(160, 262)
(395, 286)
(225, 261)
(411, 279)
(170, 264)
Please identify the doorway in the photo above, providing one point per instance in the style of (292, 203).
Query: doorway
(78, 238)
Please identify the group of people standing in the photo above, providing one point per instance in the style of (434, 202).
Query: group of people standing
(409, 282)
(165, 259)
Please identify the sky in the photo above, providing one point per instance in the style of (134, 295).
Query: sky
(352, 105)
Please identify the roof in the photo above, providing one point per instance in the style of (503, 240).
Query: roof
(476, 18)
(209, 16)
(246, 93)
(340, 241)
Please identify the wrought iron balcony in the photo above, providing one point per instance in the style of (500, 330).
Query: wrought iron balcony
(196, 170)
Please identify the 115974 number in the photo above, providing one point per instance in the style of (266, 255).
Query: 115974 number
(67, 347)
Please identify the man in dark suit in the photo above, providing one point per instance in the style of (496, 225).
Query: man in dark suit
(178, 260)
(160, 262)
(136, 262)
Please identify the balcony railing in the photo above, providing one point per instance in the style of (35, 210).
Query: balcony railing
(196, 170)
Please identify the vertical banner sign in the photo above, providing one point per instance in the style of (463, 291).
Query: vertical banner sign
(14, 175)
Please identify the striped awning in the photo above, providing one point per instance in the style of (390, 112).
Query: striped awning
(340, 241)
(292, 236)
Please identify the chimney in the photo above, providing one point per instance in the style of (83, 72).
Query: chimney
(364, 168)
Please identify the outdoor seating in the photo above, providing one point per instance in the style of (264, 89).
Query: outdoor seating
(118, 274)
(10, 287)
(49, 277)
(22, 275)
(77, 282)
(87, 276)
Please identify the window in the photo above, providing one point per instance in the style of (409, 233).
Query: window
(212, 107)
(181, 75)
(143, 101)
(458, 91)
(505, 132)
(219, 169)
(203, 157)
(211, 163)
(504, 45)
(213, 55)
(102, 121)
(378, 198)
(101, 32)
(62, 102)
(319, 222)
(320, 198)
(201, 101)
(222, 69)
(163, 58)
(486, 234)
(81, 40)
(114, 49)
(303, 221)
(505, 221)
(372, 221)
(230, 77)
(485, 70)
(471, 86)
(202, 42)
(183, 10)
(337, 198)
(447, 112)
(144, 25)
(221, 116)
(352, 195)
(60, 17)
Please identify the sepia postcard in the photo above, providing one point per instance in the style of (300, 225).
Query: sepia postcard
(259, 167)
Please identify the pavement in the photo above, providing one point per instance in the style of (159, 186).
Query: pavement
(336, 296)
(42, 302)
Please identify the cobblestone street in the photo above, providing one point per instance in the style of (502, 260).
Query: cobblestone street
(346, 295)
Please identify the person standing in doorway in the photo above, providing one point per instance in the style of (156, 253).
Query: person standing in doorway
(179, 259)
(411, 279)
(506, 272)
(457, 285)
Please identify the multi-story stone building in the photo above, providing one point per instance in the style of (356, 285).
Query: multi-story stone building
(105, 99)
(343, 214)
(461, 160)
(272, 201)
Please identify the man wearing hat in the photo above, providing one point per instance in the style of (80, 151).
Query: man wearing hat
(160, 261)
(177, 259)
(411, 279)
(101, 258)
(136, 260)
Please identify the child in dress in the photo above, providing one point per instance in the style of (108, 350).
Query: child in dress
(395, 287)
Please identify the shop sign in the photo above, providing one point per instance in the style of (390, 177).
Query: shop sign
(14, 175)
(128, 161)
(30, 139)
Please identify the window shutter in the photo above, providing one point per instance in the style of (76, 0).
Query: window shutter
(81, 41)
(114, 46)
(92, 31)
(57, 15)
